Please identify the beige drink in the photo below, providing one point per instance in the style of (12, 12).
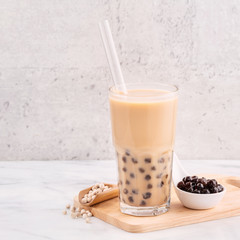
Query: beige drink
(143, 127)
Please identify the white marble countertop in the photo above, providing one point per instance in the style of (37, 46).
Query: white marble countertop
(34, 194)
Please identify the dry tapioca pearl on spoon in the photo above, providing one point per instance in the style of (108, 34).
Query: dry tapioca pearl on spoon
(96, 189)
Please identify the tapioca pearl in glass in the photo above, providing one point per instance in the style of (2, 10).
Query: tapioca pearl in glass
(135, 191)
(146, 195)
(141, 170)
(134, 160)
(124, 158)
(149, 186)
(124, 169)
(160, 184)
(130, 199)
(161, 160)
(158, 176)
(125, 191)
(147, 177)
(147, 160)
(132, 175)
(127, 153)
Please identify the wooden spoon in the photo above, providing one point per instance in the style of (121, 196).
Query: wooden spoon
(100, 197)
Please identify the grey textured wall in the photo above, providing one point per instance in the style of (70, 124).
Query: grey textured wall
(54, 74)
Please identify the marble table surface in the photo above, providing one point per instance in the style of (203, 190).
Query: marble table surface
(33, 195)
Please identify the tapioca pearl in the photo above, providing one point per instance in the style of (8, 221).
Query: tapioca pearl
(159, 175)
(161, 184)
(149, 186)
(161, 160)
(127, 182)
(134, 160)
(141, 170)
(153, 168)
(165, 168)
(147, 195)
(127, 152)
(124, 169)
(130, 199)
(147, 177)
(142, 203)
(132, 175)
(125, 191)
(147, 160)
(120, 182)
(124, 159)
(166, 176)
(135, 191)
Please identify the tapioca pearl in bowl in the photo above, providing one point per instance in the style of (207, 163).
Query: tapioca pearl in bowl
(199, 185)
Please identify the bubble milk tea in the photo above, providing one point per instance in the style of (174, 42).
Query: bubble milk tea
(143, 129)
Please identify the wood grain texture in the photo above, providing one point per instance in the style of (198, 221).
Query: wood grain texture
(178, 215)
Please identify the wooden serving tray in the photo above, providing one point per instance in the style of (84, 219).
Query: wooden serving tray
(178, 215)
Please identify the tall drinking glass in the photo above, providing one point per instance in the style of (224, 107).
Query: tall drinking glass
(143, 129)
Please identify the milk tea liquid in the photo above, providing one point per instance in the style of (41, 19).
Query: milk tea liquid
(143, 127)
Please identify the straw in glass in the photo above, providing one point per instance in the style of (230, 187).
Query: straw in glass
(112, 56)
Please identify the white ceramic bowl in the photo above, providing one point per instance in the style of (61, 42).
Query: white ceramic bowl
(199, 201)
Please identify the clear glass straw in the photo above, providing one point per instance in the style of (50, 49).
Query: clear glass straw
(112, 56)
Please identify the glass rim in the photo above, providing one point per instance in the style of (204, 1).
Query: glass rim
(171, 90)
